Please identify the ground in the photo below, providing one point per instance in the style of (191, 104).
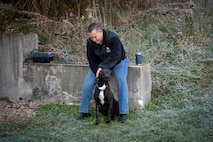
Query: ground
(16, 110)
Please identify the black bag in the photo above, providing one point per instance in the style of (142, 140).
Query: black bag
(43, 57)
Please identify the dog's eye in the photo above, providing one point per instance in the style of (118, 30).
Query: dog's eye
(109, 72)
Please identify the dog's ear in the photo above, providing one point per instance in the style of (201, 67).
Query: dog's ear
(111, 72)
(100, 74)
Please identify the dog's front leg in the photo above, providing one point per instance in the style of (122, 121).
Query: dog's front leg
(97, 113)
(109, 112)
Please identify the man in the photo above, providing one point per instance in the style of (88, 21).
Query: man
(105, 50)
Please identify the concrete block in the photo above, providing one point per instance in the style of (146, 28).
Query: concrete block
(63, 82)
(13, 49)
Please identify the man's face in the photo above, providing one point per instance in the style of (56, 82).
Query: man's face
(96, 36)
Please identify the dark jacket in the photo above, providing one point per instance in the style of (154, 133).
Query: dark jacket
(107, 55)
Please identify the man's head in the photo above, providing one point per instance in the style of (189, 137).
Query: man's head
(95, 33)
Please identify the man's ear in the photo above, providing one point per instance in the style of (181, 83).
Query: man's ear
(101, 31)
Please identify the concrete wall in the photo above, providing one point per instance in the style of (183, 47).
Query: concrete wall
(63, 82)
(14, 49)
(56, 82)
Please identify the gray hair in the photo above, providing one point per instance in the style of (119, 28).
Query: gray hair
(94, 26)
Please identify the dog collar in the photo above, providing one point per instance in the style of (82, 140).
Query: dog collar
(102, 87)
(98, 85)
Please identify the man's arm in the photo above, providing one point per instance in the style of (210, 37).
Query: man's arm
(92, 58)
(115, 56)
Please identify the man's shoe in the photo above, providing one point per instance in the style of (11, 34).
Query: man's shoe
(83, 115)
(122, 118)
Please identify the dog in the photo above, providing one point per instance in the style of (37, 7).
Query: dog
(105, 102)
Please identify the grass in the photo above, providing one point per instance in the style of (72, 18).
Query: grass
(173, 118)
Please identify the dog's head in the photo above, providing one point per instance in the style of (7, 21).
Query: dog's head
(104, 75)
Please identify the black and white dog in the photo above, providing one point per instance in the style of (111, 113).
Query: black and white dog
(104, 99)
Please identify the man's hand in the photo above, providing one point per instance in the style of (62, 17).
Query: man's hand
(97, 72)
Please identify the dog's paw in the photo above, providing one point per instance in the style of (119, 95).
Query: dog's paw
(96, 123)
(113, 118)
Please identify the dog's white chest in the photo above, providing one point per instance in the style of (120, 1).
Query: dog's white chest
(101, 94)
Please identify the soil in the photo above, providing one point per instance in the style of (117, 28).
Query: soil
(16, 110)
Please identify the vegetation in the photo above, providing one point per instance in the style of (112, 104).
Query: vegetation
(164, 119)
(175, 37)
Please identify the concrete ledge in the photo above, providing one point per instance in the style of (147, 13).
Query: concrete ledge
(63, 82)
